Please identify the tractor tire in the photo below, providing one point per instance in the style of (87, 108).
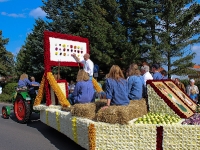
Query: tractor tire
(22, 109)
(4, 113)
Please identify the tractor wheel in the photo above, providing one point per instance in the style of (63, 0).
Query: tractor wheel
(4, 113)
(22, 109)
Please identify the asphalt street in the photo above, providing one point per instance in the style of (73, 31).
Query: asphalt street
(34, 135)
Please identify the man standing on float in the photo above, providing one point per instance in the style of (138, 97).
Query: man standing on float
(88, 65)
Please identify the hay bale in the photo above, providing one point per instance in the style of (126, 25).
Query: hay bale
(122, 114)
(100, 103)
(139, 108)
(113, 114)
(67, 109)
(86, 110)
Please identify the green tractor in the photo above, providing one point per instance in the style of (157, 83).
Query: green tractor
(22, 105)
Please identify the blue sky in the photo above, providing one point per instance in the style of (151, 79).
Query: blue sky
(17, 18)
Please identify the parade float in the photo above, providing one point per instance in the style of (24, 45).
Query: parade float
(157, 123)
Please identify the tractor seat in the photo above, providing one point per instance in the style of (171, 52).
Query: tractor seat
(22, 89)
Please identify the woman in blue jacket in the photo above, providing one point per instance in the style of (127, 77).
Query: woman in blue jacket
(116, 87)
(84, 89)
(135, 83)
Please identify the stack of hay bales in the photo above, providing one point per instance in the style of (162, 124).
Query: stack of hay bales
(122, 114)
(113, 114)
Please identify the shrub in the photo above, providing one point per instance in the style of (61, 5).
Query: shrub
(5, 98)
(9, 88)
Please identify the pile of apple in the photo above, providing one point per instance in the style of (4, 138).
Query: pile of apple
(156, 118)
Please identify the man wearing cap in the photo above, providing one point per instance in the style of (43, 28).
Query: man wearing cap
(156, 74)
(193, 91)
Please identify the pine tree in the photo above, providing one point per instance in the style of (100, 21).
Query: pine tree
(60, 14)
(98, 21)
(31, 56)
(6, 58)
(179, 31)
(140, 18)
(126, 31)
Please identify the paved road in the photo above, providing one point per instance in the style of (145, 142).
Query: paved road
(34, 135)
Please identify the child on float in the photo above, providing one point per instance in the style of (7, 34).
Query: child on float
(116, 87)
(136, 83)
(84, 90)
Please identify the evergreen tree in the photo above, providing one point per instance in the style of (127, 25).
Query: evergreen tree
(124, 31)
(140, 19)
(179, 30)
(60, 14)
(98, 21)
(21, 66)
(6, 58)
(31, 56)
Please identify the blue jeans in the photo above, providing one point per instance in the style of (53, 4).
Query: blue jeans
(71, 98)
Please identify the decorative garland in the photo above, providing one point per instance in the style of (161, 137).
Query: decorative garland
(92, 136)
(47, 92)
(96, 85)
(74, 129)
(47, 117)
(61, 97)
(159, 139)
(40, 94)
(58, 120)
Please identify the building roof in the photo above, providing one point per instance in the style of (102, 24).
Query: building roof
(196, 66)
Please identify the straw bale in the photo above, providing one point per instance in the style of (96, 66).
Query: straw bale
(86, 110)
(68, 109)
(100, 103)
(139, 108)
(122, 114)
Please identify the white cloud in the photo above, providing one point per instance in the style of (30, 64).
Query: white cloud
(3, 1)
(13, 15)
(37, 13)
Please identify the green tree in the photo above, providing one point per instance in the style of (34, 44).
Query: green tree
(6, 58)
(139, 19)
(121, 32)
(30, 58)
(179, 30)
(60, 14)
(98, 21)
